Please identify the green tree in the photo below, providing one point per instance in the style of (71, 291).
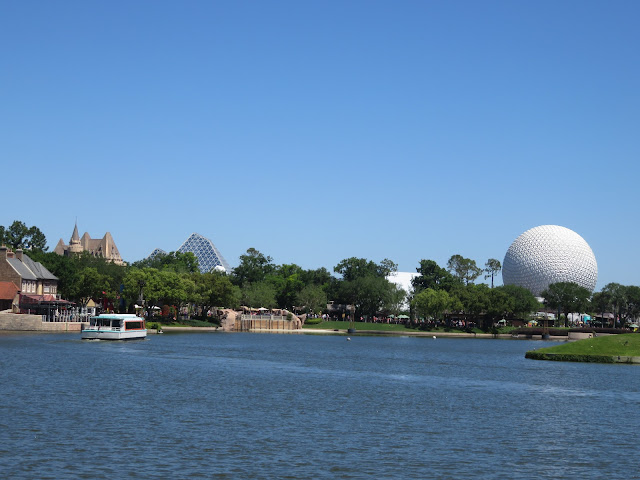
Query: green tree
(623, 301)
(431, 303)
(475, 300)
(254, 267)
(90, 285)
(567, 297)
(135, 284)
(370, 295)
(175, 289)
(463, 268)
(522, 302)
(321, 277)
(431, 275)
(492, 268)
(352, 268)
(617, 295)
(386, 267)
(18, 235)
(633, 302)
(287, 282)
(153, 287)
(501, 304)
(178, 262)
(112, 273)
(215, 289)
(258, 294)
(601, 303)
(313, 298)
(397, 300)
(69, 272)
(364, 285)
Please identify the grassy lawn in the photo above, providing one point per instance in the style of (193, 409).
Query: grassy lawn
(592, 349)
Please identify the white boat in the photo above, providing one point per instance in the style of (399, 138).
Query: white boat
(115, 327)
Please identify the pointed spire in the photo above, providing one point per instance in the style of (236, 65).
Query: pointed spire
(75, 245)
(75, 237)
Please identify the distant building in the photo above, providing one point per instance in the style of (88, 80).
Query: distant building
(403, 280)
(23, 280)
(156, 252)
(8, 296)
(104, 247)
(209, 257)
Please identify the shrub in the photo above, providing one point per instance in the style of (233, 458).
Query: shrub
(195, 323)
(313, 321)
(568, 357)
(540, 331)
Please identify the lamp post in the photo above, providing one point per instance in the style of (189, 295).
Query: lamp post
(352, 326)
(141, 284)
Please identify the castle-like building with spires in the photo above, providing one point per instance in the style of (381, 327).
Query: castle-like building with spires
(104, 247)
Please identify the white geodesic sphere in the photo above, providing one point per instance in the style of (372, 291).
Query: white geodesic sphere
(549, 254)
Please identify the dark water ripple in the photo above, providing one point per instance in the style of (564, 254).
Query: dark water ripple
(229, 406)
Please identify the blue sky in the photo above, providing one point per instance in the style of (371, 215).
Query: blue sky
(319, 130)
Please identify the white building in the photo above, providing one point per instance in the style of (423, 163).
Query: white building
(403, 280)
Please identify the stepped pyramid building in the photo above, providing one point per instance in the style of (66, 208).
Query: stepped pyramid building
(209, 257)
(104, 247)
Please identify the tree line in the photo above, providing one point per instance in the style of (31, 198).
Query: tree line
(174, 279)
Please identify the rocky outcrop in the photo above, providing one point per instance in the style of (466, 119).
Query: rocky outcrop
(228, 319)
(296, 321)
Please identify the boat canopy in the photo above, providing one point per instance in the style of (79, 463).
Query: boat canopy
(117, 316)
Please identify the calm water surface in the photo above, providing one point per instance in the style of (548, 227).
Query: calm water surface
(215, 405)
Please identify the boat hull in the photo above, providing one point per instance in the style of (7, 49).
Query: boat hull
(90, 334)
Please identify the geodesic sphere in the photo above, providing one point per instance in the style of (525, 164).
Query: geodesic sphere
(549, 254)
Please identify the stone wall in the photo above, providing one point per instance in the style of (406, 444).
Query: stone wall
(231, 321)
(574, 336)
(34, 323)
(267, 324)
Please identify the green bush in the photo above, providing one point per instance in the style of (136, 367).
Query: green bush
(568, 357)
(195, 323)
(528, 331)
(313, 321)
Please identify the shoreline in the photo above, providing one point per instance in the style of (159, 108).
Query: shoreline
(578, 358)
(33, 324)
(320, 331)
(504, 336)
(602, 349)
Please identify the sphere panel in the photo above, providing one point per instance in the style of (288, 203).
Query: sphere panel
(549, 254)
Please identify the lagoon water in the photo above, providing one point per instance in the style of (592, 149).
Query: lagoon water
(265, 406)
